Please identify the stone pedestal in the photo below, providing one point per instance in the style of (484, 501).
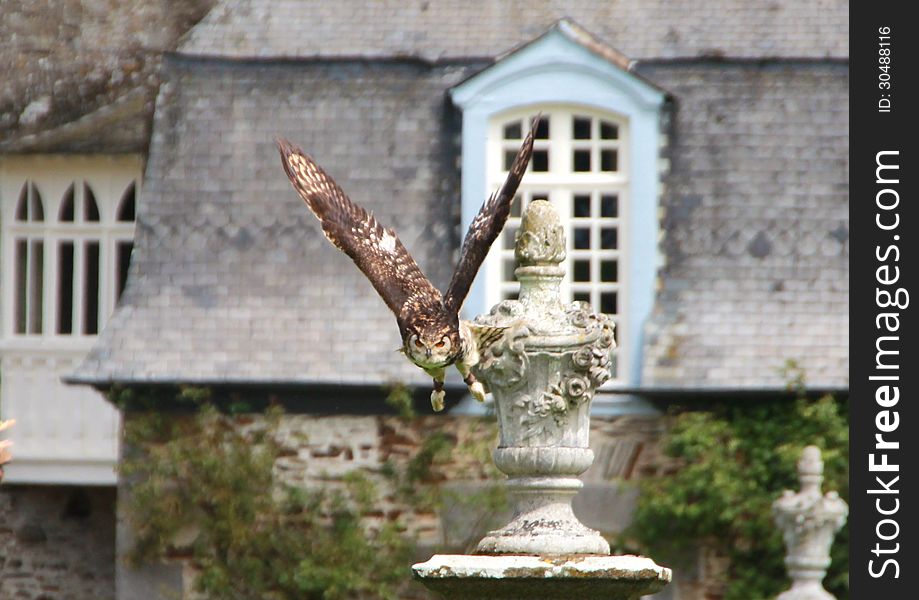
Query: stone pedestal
(467, 577)
(543, 371)
(809, 520)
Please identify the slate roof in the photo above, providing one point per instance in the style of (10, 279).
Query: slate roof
(231, 278)
(443, 30)
(232, 281)
(756, 228)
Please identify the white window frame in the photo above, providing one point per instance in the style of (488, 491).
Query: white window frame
(562, 183)
(109, 177)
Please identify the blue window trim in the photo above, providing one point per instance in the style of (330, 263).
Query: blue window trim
(555, 69)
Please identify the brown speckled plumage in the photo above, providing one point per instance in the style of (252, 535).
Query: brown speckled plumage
(421, 311)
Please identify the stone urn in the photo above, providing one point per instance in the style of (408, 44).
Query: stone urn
(809, 521)
(543, 374)
(543, 371)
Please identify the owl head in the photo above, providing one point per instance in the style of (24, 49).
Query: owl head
(432, 345)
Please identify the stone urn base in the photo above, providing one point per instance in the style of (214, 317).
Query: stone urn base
(512, 577)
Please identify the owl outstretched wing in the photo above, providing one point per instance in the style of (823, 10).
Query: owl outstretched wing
(487, 226)
(377, 251)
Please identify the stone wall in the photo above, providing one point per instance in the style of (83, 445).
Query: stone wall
(320, 450)
(57, 542)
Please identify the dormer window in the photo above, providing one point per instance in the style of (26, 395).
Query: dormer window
(595, 158)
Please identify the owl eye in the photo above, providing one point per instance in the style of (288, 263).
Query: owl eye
(439, 345)
(418, 344)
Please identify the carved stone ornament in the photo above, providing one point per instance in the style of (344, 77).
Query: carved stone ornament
(809, 520)
(543, 372)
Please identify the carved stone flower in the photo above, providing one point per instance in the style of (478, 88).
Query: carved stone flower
(583, 358)
(580, 315)
(576, 387)
(606, 338)
(600, 375)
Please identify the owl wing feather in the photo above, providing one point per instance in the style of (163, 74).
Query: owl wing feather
(486, 226)
(377, 251)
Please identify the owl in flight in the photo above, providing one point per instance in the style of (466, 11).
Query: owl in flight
(433, 336)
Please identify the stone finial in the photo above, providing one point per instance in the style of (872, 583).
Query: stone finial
(809, 520)
(540, 240)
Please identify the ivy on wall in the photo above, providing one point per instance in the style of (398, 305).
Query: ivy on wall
(734, 460)
(202, 488)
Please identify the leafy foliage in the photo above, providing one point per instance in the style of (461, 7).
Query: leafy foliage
(203, 489)
(734, 460)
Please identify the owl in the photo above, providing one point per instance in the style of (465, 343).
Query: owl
(433, 336)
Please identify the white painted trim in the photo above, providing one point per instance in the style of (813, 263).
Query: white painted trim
(54, 472)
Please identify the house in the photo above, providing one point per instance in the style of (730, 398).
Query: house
(698, 154)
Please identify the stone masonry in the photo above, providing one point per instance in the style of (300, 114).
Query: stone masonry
(57, 543)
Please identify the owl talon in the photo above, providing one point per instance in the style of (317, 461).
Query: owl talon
(437, 400)
(478, 391)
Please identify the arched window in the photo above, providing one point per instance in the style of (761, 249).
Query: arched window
(596, 158)
(68, 272)
(29, 262)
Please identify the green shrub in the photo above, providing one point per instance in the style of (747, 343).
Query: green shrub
(734, 460)
(202, 489)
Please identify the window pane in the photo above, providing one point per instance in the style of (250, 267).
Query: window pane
(582, 270)
(609, 160)
(581, 297)
(540, 195)
(541, 160)
(38, 211)
(21, 260)
(609, 238)
(608, 303)
(126, 205)
(581, 205)
(124, 250)
(609, 206)
(582, 238)
(90, 210)
(36, 285)
(581, 128)
(65, 288)
(66, 214)
(581, 160)
(542, 129)
(22, 207)
(512, 295)
(608, 131)
(609, 270)
(91, 288)
(513, 131)
(509, 233)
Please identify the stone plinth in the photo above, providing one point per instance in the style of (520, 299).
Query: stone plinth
(512, 577)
